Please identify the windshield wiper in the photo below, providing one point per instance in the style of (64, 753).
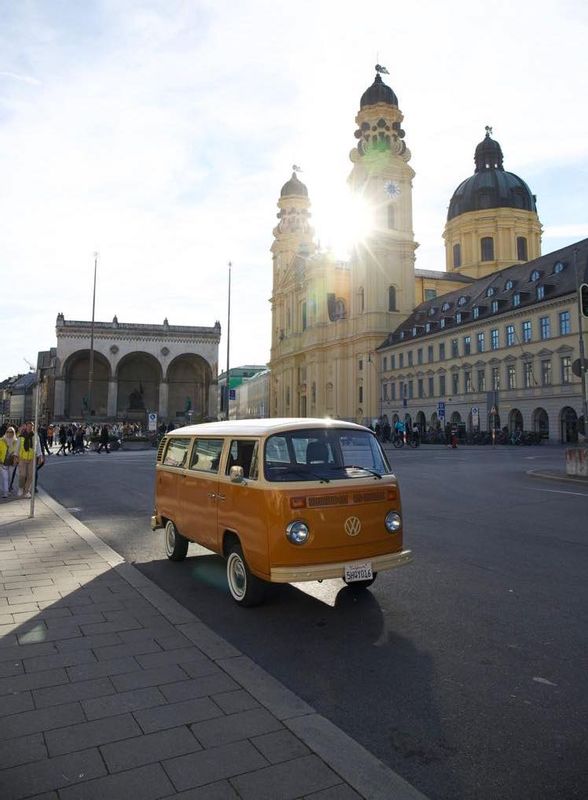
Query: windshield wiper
(356, 466)
(305, 472)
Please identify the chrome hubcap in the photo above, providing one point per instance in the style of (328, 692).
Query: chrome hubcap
(237, 576)
(170, 536)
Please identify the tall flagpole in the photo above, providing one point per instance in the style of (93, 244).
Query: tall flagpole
(91, 370)
(228, 341)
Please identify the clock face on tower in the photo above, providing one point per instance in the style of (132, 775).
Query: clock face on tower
(392, 189)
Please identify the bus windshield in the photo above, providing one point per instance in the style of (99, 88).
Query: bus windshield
(325, 454)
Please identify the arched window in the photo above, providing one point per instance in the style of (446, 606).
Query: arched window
(391, 220)
(487, 248)
(457, 255)
(391, 298)
(521, 248)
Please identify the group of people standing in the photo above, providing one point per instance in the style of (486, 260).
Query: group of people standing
(19, 452)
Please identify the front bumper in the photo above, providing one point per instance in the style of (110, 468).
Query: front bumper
(319, 572)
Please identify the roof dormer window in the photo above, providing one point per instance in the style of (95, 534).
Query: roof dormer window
(558, 267)
(458, 317)
(535, 275)
(445, 306)
(516, 299)
(490, 291)
(432, 311)
(508, 285)
(442, 323)
(476, 312)
(494, 306)
(462, 300)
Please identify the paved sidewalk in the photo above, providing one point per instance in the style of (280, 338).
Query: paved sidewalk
(109, 688)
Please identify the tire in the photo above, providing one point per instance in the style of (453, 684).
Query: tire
(245, 588)
(176, 545)
(359, 586)
(398, 442)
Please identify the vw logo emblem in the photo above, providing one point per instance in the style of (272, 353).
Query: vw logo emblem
(352, 526)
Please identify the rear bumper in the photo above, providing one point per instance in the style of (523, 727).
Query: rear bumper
(156, 522)
(319, 572)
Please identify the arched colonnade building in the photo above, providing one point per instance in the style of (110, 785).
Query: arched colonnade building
(138, 368)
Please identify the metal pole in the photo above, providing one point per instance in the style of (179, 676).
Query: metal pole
(91, 369)
(35, 436)
(583, 370)
(229, 342)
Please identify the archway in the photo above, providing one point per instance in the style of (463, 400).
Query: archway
(515, 421)
(76, 371)
(541, 422)
(568, 425)
(139, 376)
(456, 418)
(189, 378)
(435, 424)
(421, 421)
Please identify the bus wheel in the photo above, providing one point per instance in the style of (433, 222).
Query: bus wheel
(358, 586)
(245, 588)
(176, 545)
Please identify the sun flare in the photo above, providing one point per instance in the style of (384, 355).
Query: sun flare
(341, 222)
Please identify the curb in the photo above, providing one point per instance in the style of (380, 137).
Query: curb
(369, 776)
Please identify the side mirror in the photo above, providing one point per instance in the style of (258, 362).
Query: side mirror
(236, 475)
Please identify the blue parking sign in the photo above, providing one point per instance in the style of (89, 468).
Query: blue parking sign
(441, 409)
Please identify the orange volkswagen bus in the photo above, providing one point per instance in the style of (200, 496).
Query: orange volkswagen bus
(283, 500)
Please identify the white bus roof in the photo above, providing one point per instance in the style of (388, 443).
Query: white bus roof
(261, 427)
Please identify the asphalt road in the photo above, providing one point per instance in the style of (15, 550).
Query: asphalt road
(465, 672)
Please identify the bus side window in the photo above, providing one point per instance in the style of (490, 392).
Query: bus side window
(243, 453)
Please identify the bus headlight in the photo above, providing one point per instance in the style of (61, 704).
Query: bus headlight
(392, 522)
(297, 532)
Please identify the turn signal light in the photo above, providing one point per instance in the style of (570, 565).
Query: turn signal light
(392, 494)
(298, 502)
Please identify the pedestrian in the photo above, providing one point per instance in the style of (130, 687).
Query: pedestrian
(104, 437)
(62, 438)
(79, 440)
(29, 454)
(8, 457)
(50, 432)
(454, 437)
(43, 440)
(69, 438)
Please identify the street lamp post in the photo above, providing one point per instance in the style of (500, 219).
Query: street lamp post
(583, 370)
(91, 367)
(229, 342)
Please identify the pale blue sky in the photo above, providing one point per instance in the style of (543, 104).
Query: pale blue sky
(160, 133)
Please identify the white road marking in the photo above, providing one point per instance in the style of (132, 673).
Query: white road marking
(558, 491)
(545, 681)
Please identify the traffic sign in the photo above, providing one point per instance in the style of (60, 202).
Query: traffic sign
(152, 421)
(441, 409)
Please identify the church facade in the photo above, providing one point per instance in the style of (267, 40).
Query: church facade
(370, 337)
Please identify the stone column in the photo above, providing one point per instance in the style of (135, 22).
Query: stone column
(211, 410)
(59, 398)
(111, 403)
(163, 399)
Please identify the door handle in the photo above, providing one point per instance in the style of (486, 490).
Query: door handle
(211, 495)
(221, 497)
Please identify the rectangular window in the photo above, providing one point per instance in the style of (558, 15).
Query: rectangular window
(430, 353)
(494, 339)
(360, 364)
(410, 358)
(481, 380)
(401, 360)
(511, 376)
(393, 391)
(243, 453)
(467, 379)
(480, 342)
(442, 351)
(454, 348)
(410, 390)
(540, 292)
(176, 453)
(441, 385)
(564, 323)
(360, 394)
(206, 455)
(420, 388)
(516, 299)
(385, 391)
(303, 316)
(431, 387)
(510, 335)
(392, 362)
(385, 364)
(476, 312)
(487, 248)
(545, 327)
(495, 378)
(402, 389)
(527, 331)
(521, 248)
(420, 355)
(546, 372)
(467, 345)
(566, 369)
(455, 382)
(528, 374)
(430, 294)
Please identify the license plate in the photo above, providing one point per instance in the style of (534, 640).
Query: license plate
(361, 571)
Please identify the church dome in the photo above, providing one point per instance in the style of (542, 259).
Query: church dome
(378, 93)
(294, 187)
(490, 186)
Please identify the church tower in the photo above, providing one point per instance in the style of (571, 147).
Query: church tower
(382, 283)
(492, 219)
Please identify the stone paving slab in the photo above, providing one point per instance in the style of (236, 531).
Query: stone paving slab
(110, 688)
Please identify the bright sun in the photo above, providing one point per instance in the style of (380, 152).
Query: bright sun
(341, 222)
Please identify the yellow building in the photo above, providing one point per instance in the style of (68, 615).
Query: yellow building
(376, 337)
(328, 317)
